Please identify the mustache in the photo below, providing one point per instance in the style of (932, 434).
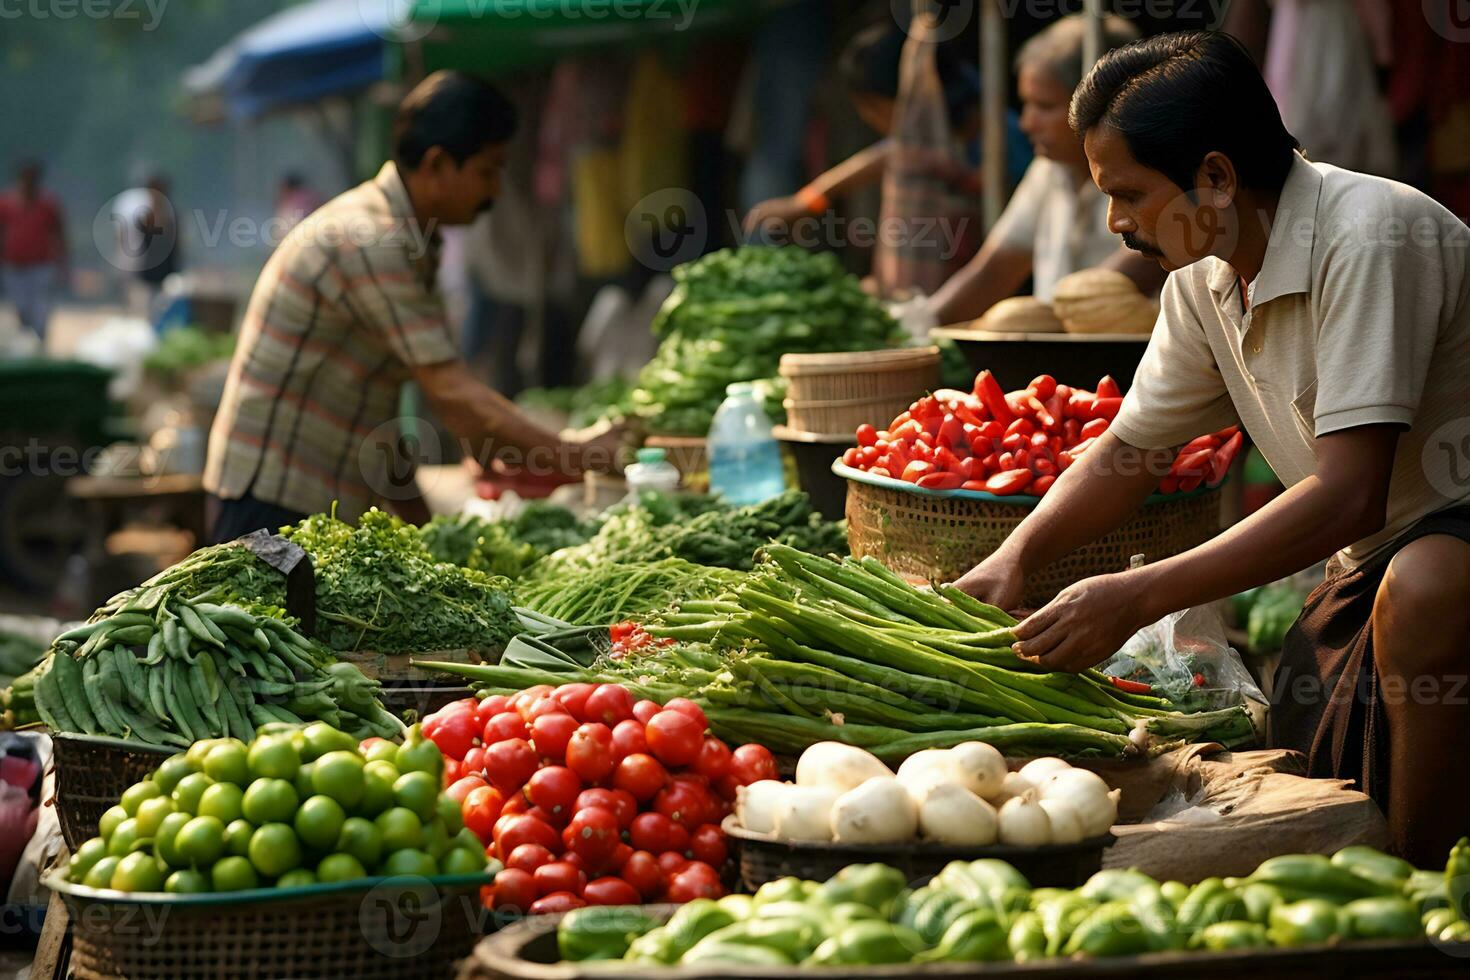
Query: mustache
(1137, 244)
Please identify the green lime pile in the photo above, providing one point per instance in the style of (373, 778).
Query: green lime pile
(295, 806)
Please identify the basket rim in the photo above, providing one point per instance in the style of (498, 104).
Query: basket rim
(872, 361)
(964, 334)
(1016, 500)
(57, 882)
(784, 433)
(731, 826)
(112, 742)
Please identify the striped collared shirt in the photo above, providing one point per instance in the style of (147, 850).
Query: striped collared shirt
(342, 310)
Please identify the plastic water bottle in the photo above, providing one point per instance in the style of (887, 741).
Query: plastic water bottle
(652, 471)
(744, 458)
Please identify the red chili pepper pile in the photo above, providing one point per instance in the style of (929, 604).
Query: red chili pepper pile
(589, 798)
(1015, 443)
(631, 637)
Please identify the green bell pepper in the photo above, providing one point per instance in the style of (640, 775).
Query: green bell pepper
(818, 917)
(1457, 879)
(1039, 896)
(739, 906)
(1259, 900)
(695, 920)
(600, 932)
(1195, 907)
(1304, 923)
(1381, 918)
(849, 912)
(1317, 874)
(975, 937)
(1159, 920)
(1061, 916)
(1026, 938)
(787, 889)
(936, 915)
(1383, 869)
(1231, 935)
(1175, 892)
(1456, 932)
(868, 944)
(875, 885)
(1115, 884)
(655, 947)
(1112, 929)
(793, 938)
(1434, 921)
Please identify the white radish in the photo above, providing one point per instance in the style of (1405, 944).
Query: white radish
(838, 767)
(1088, 795)
(880, 811)
(1038, 771)
(951, 814)
(804, 813)
(1066, 825)
(981, 767)
(1023, 822)
(1013, 785)
(755, 805)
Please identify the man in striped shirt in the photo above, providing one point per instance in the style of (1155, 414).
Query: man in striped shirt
(346, 311)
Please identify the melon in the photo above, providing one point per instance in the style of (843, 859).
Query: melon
(1102, 301)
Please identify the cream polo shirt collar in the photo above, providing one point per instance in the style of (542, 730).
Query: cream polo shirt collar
(1287, 266)
(400, 206)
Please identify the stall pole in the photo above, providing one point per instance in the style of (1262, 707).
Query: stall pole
(995, 68)
(1092, 40)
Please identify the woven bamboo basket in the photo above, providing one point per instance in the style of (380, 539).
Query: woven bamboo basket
(939, 536)
(835, 393)
(688, 454)
(391, 928)
(91, 773)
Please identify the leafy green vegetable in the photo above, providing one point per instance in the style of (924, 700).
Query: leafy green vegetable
(183, 348)
(731, 316)
(379, 588)
(473, 542)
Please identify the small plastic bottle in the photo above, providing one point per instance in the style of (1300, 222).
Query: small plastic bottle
(744, 457)
(652, 471)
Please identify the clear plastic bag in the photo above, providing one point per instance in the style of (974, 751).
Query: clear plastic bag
(1185, 658)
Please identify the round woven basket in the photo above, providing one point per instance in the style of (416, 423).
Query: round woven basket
(688, 454)
(390, 928)
(938, 536)
(91, 773)
(835, 393)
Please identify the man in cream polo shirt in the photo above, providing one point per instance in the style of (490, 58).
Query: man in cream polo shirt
(1329, 313)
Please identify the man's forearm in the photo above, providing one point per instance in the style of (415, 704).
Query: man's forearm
(1092, 498)
(991, 276)
(862, 168)
(489, 424)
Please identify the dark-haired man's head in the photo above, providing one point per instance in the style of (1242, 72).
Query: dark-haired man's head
(449, 142)
(869, 68)
(1180, 131)
(1048, 71)
(28, 177)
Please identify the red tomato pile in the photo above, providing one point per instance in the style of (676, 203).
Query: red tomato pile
(590, 798)
(1015, 443)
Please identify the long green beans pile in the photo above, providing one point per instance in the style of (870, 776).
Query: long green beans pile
(616, 591)
(808, 649)
(175, 671)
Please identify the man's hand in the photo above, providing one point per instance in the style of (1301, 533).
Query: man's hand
(1085, 624)
(996, 580)
(601, 448)
(777, 214)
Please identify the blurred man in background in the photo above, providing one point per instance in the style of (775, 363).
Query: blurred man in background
(32, 247)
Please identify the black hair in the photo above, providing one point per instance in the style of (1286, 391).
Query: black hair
(1177, 97)
(452, 110)
(30, 165)
(869, 65)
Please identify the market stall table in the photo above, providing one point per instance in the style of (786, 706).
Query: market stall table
(108, 500)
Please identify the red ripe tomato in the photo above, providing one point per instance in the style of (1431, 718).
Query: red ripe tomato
(628, 738)
(481, 809)
(461, 787)
(522, 828)
(508, 764)
(713, 760)
(474, 761)
(621, 803)
(550, 734)
(505, 725)
(687, 707)
(559, 876)
(453, 769)
(554, 788)
(453, 729)
(557, 819)
(696, 880)
(726, 787)
(516, 803)
(751, 763)
(522, 702)
(590, 752)
(546, 706)
(707, 844)
(515, 890)
(556, 903)
(609, 704)
(641, 870)
(671, 863)
(866, 435)
(640, 775)
(645, 710)
(619, 856)
(674, 737)
(573, 858)
(529, 857)
(686, 804)
(610, 891)
(653, 832)
(490, 707)
(574, 698)
(593, 833)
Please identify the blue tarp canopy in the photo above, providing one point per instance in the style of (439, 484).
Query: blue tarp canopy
(304, 53)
